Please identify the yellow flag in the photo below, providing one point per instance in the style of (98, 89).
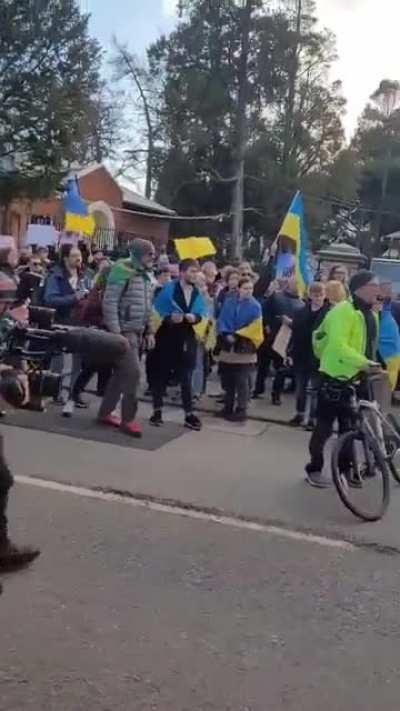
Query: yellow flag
(254, 332)
(200, 328)
(194, 247)
(79, 223)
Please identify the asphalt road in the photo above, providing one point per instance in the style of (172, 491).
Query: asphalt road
(134, 610)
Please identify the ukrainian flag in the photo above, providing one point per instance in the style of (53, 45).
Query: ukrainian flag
(294, 229)
(165, 305)
(77, 218)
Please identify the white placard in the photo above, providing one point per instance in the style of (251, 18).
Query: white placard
(42, 235)
(281, 342)
(7, 242)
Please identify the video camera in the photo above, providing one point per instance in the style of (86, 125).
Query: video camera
(30, 350)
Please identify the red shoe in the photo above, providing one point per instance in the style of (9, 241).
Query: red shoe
(132, 428)
(110, 420)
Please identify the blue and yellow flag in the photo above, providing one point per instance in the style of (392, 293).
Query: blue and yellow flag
(77, 218)
(165, 305)
(242, 317)
(294, 229)
(254, 332)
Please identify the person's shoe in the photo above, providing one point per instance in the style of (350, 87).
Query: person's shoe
(309, 426)
(81, 404)
(318, 480)
(192, 422)
(68, 409)
(238, 416)
(110, 421)
(296, 421)
(224, 414)
(132, 428)
(58, 400)
(12, 557)
(276, 399)
(156, 419)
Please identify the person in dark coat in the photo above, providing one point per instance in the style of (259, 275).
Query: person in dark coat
(180, 306)
(305, 364)
(65, 287)
(278, 308)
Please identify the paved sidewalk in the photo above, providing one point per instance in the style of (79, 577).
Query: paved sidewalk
(256, 471)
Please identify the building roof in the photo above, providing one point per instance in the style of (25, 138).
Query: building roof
(134, 199)
(130, 198)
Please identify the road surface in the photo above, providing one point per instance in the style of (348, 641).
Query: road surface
(135, 610)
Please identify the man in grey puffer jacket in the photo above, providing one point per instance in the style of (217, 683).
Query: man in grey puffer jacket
(127, 307)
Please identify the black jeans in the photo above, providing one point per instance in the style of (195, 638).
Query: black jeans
(264, 358)
(6, 482)
(327, 414)
(159, 384)
(85, 376)
(237, 384)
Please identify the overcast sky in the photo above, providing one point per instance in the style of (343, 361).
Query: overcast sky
(367, 33)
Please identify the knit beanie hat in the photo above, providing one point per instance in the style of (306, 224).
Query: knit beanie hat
(140, 247)
(360, 279)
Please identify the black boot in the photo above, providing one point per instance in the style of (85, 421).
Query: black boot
(276, 399)
(13, 558)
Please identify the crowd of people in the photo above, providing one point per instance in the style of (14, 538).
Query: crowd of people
(187, 319)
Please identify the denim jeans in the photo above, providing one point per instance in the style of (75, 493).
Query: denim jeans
(198, 377)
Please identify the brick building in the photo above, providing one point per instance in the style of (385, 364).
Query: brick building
(120, 214)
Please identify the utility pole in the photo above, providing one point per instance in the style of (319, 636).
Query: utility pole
(241, 138)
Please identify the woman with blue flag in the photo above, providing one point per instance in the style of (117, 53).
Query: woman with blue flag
(240, 334)
(180, 308)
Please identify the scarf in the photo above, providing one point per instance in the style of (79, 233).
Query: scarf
(126, 269)
(370, 323)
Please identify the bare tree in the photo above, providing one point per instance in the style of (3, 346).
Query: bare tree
(387, 100)
(128, 67)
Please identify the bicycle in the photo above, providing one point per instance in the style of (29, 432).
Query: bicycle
(364, 457)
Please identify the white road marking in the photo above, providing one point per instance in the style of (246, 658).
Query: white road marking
(187, 513)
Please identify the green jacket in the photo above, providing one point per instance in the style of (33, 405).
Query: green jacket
(339, 343)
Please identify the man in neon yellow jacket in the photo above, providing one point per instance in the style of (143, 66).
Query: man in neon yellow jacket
(345, 344)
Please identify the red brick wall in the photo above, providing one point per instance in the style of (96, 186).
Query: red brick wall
(99, 185)
(154, 228)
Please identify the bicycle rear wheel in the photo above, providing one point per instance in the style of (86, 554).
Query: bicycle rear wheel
(365, 487)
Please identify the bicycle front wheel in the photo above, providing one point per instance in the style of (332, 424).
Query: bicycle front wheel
(361, 475)
(392, 443)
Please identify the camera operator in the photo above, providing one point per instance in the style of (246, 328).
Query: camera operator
(11, 556)
(99, 349)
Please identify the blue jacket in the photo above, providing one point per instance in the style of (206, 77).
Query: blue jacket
(59, 294)
(389, 336)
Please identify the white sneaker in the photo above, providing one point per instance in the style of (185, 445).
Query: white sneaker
(68, 409)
